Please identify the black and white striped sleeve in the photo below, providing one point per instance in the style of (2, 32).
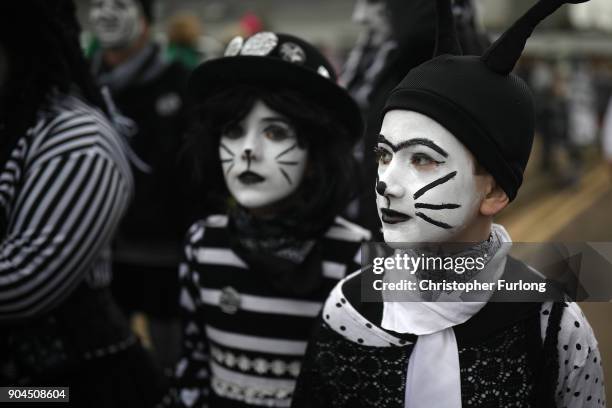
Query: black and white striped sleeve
(68, 202)
(192, 374)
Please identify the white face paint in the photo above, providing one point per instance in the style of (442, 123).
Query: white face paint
(372, 14)
(116, 23)
(427, 190)
(262, 162)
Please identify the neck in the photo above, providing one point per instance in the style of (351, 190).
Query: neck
(278, 208)
(115, 57)
(477, 231)
(485, 250)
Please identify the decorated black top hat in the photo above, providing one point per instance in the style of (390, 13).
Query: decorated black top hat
(477, 98)
(279, 60)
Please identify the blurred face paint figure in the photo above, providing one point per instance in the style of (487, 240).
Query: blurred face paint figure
(261, 158)
(426, 188)
(372, 14)
(116, 23)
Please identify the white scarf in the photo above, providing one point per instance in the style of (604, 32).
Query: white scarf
(433, 378)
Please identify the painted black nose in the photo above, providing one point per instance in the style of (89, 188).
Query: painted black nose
(381, 188)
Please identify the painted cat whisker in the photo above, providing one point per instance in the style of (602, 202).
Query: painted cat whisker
(435, 183)
(437, 206)
(287, 150)
(432, 221)
(286, 176)
(227, 149)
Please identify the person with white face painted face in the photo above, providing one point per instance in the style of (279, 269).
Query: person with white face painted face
(118, 24)
(451, 153)
(273, 127)
(420, 166)
(149, 91)
(262, 158)
(396, 36)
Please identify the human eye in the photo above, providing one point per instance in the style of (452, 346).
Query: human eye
(232, 132)
(424, 161)
(277, 133)
(383, 156)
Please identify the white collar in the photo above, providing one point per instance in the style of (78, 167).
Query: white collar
(430, 317)
(433, 378)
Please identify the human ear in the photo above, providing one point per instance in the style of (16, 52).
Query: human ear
(495, 198)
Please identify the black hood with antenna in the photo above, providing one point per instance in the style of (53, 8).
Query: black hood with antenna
(478, 98)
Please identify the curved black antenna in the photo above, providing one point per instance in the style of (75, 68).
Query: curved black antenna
(503, 54)
(446, 34)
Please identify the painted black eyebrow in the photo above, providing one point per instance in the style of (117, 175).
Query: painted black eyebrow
(434, 183)
(423, 142)
(383, 140)
(412, 142)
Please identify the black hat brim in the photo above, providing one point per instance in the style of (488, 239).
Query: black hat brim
(221, 73)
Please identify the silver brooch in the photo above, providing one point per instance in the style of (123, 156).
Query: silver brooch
(261, 44)
(229, 302)
(323, 72)
(234, 47)
(293, 53)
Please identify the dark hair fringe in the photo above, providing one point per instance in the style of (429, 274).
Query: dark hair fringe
(329, 183)
(43, 56)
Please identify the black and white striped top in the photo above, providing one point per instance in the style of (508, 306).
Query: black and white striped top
(243, 341)
(62, 192)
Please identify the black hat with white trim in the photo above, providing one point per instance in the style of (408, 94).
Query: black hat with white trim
(278, 60)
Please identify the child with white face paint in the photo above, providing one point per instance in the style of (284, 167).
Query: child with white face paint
(454, 143)
(262, 158)
(421, 165)
(272, 124)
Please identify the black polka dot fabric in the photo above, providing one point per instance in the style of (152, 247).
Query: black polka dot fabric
(342, 318)
(494, 373)
(580, 372)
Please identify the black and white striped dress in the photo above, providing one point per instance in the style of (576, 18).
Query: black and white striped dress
(243, 342)
(62, 192)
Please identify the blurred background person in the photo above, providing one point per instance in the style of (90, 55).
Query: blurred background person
(184, 31)
(606, 136)
(555, 117)
(396, 36)
(150, 91)
(64, 186)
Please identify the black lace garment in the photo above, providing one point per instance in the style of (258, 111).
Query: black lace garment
(497, 372)
(510, 355)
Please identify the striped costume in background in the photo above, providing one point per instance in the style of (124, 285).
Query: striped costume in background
(243, 342)
(62, 193)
